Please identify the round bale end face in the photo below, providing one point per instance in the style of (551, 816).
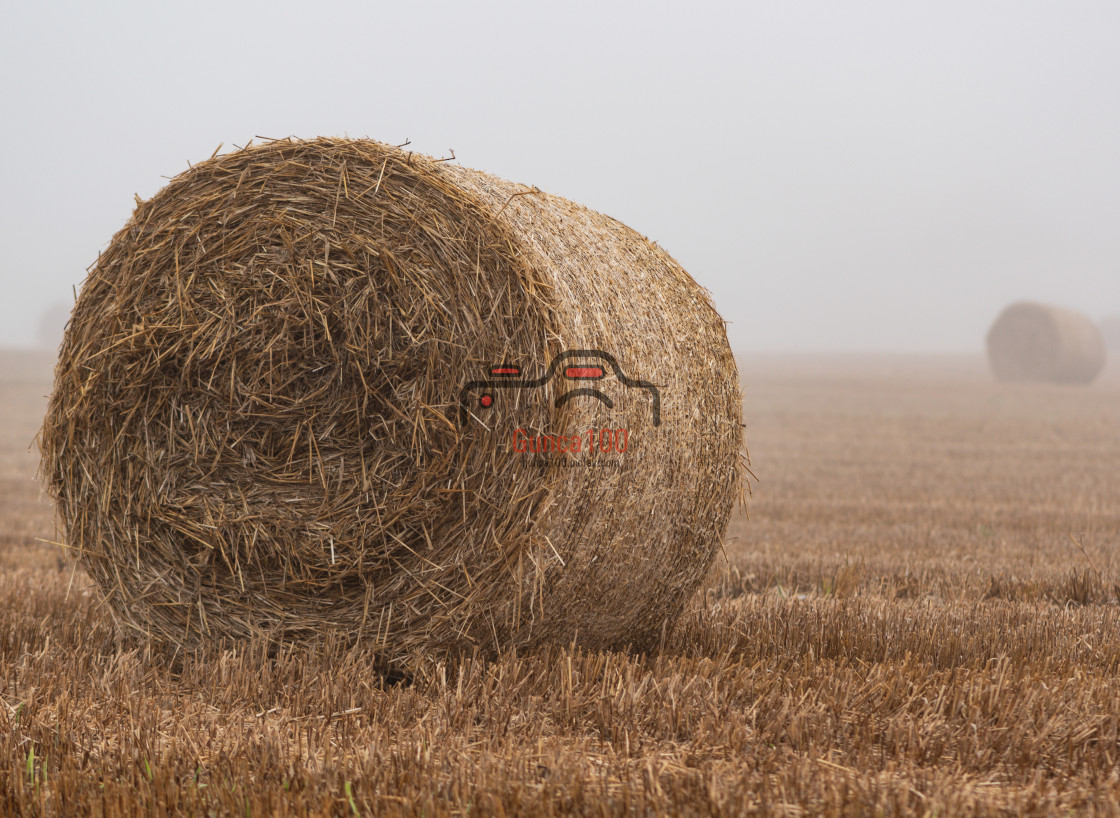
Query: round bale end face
(265, 421)
(1045, 344)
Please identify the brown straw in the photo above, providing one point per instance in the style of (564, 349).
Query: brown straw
(262, 421)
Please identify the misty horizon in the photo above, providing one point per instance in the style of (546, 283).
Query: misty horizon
(860, 179)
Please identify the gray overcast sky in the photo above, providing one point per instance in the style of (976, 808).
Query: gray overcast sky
(847, 176)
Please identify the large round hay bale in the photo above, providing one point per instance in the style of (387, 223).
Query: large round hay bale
(1039, 342)
(333, 387)
(1110, 332)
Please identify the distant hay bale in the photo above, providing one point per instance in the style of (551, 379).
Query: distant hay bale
(1039, 342)
(1110, 332)
(333, 387)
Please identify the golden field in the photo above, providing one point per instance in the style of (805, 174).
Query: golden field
(921, 616)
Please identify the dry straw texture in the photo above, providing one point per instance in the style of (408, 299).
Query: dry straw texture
(255, 429)
(1039, 342)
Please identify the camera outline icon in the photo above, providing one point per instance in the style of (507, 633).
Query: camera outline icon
(594, 367)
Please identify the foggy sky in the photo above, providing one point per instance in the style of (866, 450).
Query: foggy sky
(841, 176)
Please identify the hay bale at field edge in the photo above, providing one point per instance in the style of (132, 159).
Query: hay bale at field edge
(258, 423)
(1044, 343)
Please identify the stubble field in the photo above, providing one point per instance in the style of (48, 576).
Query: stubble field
(922, 615)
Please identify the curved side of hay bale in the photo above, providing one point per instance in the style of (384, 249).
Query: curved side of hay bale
(264, 417)
(1039, 342)
(615, 290)
(1110, 331)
